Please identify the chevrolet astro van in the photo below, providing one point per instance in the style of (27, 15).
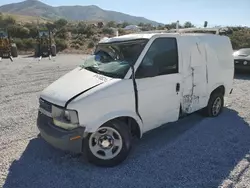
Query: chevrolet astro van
(132, 84)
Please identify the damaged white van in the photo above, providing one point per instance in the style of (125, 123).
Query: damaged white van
(132, 84)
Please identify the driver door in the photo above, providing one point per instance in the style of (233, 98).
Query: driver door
(159, 83)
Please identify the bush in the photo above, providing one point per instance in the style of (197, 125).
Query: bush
(108, 31)
(16, 31)
(60, 44)
(19, 43)
(121, 31)
(76, 46)
(111, 24)
(24, 44)
(95, 39)
(91, 44)
(78, 41)
(60, 23)
(29, 43)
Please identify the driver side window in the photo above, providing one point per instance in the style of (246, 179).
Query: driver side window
(160, 59)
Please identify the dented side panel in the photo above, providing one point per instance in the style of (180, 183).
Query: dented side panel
(194, 91)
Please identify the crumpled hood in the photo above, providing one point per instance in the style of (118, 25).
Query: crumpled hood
(70, 85)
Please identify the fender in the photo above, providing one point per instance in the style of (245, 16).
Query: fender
(94, 125)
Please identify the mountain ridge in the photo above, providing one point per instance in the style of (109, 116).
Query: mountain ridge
(74, 13)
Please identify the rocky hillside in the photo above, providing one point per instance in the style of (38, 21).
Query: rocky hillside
(85, 13)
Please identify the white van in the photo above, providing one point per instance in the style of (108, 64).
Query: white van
(132, 84)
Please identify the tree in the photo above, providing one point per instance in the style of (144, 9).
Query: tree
(18, 31)
(188, 25)
(141, 24)
(51, 26)
(172, 25)
(111, 24)
(125, 24)
(108, 31)
(60, 23)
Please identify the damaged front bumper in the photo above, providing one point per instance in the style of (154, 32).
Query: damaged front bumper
(67, 140)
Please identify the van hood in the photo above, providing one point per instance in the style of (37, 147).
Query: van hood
(242, 57)
(71, 84)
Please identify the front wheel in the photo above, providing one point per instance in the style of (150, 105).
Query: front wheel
(109, 145)
(215, 105)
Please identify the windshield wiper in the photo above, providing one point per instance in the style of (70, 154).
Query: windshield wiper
(108, 74)
(93, 69)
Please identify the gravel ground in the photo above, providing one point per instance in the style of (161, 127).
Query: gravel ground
(193, 152)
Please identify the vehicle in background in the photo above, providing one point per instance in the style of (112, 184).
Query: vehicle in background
(8, 48)
(45, 44)
(131, 85)
(242, 59)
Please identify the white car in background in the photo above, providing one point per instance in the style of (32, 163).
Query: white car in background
(242, 59)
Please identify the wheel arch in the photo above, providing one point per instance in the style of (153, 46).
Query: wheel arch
(131, 119)
(219, 88)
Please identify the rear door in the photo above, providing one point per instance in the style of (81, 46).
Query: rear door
(158, 83)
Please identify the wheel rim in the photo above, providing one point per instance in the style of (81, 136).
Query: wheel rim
(217, 106)
(105, 143)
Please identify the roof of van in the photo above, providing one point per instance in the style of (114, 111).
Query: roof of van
(147, 36)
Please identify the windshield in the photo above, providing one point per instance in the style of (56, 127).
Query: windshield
(3, 34)
(114, 59)
(43, 33)
(244, 51)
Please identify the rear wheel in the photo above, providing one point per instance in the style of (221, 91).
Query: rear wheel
(53, 50)
(109, 145)
(215, 105)
(14, 51)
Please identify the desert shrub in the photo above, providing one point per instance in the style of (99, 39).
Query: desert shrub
(75, 45)
(29, 43)
(19, 43)
(108, 31)
(91, 44)
(95, 39)
(62, 33)
(25, 44)
(121, 31)
(61, 44)
(60, 23)
(111, 24)
(17, 31)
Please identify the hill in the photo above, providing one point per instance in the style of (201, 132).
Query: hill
(75, 13)
(27, 19)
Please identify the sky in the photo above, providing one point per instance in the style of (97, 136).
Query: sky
(216, 12)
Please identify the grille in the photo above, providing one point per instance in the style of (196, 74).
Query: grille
(45, 105)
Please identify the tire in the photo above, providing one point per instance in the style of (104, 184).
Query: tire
(53, 50)
(37, 51)
(98, 159)
(14, 51)
(208, 111)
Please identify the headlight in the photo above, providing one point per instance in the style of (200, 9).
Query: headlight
(66, 119)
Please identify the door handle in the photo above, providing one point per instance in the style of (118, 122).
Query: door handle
(177, 87)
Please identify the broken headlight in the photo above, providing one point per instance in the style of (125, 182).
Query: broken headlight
(63, 118)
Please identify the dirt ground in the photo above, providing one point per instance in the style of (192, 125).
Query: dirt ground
(193, 152)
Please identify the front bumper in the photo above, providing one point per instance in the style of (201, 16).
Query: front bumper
(4, 54)
(240, 67)
(62, 139)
